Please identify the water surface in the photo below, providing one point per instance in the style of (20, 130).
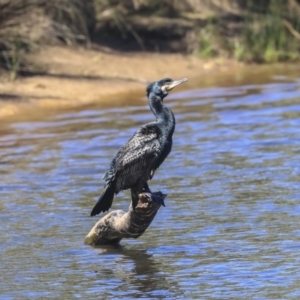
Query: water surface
(230, 228)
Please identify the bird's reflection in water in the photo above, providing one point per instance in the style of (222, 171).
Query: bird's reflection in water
(139, 270)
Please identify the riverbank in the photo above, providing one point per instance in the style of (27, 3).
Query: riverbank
(67, 77)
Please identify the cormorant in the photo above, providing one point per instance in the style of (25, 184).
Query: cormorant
(136, 162)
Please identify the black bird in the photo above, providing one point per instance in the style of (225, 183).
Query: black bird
(136, 162)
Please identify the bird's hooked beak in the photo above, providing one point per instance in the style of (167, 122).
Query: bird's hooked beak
(170, 86)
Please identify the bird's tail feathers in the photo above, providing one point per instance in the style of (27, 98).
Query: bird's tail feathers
(105, 200)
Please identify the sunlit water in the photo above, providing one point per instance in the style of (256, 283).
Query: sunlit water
(231, 225)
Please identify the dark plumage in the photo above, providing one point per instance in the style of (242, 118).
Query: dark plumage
(136, 162)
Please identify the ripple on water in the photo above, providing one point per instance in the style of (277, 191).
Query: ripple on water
(230, 226)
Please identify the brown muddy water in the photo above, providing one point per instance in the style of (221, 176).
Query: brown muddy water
(231, 225)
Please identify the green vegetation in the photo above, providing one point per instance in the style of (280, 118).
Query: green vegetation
(269, 31)
(264, 31)
(248, 30)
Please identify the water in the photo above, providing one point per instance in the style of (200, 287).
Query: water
(230, 229)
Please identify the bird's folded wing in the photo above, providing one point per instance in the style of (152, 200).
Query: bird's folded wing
(135, 159)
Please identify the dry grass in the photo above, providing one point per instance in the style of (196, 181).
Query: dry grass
(25, 24)
(249, 30)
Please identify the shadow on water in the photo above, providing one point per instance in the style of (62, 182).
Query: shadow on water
(136, 268)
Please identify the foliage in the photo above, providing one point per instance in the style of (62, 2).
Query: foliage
(24, 24)
(249, 30)
(266, 37)
(269, 32)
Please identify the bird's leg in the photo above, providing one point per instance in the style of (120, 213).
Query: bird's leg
(146, 188)
(135, 196)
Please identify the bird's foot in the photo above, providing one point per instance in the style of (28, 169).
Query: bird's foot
(159, 198)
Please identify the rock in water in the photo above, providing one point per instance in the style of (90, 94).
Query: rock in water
(119, 224)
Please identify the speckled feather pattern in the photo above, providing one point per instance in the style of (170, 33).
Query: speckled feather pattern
(137, 159)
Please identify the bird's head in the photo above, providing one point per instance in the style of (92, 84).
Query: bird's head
(162, 87)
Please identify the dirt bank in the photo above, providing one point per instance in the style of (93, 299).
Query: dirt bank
(64, 77)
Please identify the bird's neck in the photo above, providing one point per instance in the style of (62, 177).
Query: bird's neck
(164, 115)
